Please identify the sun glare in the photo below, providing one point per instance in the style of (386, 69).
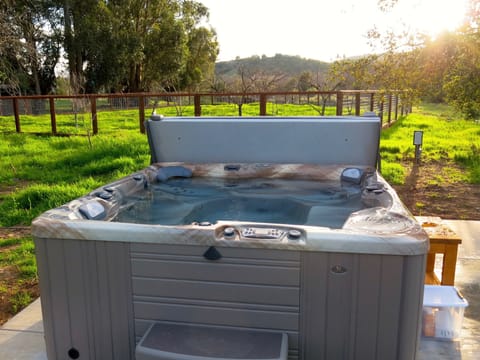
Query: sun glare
(431, 17)
(322, 29)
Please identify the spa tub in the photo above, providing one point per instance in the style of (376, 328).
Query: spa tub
(274, 226)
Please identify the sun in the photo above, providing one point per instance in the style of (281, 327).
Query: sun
(431, 17)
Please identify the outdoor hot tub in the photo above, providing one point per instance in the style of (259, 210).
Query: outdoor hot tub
(246, 238)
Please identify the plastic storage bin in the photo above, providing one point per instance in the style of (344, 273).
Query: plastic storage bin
(189, 342)
(443, 308)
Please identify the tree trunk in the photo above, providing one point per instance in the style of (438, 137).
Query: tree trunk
(29, 32)
(74, 55)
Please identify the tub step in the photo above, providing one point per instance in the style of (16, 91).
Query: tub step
(185, 342)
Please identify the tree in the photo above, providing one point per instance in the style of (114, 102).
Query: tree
(462, 79)
(137, 45)
(326, 83)
(445, 68)
(251, 79)
(202, 46)
(29, 46)
(437, 58)
(355, 73)
(79, 35)
(243, 84)
(203, 51)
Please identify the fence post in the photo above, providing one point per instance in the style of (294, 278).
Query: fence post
(381, 110)
(141, 113)
(357, 104)
(339, 103)
(93, 104)
(197, 105)
(53, 118)
(389, 108)
(263, 104)
(396, 107)
(372, 101)
(16, 113)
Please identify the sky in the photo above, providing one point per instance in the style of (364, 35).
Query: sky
(320, 29)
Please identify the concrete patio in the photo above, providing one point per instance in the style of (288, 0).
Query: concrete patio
(22, 337)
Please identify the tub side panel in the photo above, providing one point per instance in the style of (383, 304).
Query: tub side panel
(366, 307)
(411, 309)
(50, 321)
(339, 304)
(86, 298)
(389, 312)
(313, 317)
(379, 295)
(121, 306)
(78, 294)
(101, 296)
(357, 306)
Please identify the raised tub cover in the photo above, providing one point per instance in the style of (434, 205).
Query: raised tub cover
(190, 342)
(352, 140)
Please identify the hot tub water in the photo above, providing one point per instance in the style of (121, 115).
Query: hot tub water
(181, 201)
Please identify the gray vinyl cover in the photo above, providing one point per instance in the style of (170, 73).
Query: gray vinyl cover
(292, 140)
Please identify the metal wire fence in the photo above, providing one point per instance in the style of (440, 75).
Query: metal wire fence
(66, 115)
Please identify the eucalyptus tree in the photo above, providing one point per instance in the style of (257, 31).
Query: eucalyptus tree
(202, 46)
(29, 45)
(137, 45)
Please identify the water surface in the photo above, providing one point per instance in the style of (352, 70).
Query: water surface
(180, 201)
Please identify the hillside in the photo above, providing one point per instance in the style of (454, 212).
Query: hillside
(285, 64)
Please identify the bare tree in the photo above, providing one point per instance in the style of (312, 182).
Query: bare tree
(322, 82)
(251, 80)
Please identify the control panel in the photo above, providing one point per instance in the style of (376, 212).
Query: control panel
(260, 233)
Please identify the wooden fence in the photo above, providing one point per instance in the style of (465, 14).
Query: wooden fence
(388, 105)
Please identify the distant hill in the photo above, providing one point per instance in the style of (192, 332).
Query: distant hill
(286, 64)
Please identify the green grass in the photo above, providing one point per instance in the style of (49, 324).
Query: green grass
(21, 255)
(445, 138)
(50, 171)
(46, 171)
(20, 300)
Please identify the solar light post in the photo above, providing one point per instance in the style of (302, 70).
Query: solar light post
(418, 141)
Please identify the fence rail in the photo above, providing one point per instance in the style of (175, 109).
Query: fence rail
(387, 105)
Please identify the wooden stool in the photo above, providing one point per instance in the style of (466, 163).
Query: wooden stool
(443, 240)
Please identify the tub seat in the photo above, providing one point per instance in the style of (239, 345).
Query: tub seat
(328, 216)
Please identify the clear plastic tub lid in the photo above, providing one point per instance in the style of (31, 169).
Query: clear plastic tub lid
(443, 296)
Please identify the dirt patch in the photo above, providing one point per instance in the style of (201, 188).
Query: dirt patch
(8, 189)
(15, 293)
(433, 189)
(14, 232)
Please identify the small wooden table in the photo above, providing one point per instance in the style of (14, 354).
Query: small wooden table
(443, 240)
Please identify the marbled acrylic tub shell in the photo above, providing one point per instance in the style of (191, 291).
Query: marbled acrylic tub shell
(382, 226)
